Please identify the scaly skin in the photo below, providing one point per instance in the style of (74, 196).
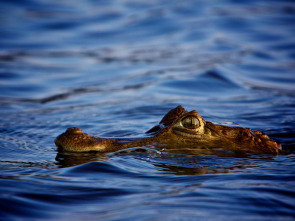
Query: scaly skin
(178, 129)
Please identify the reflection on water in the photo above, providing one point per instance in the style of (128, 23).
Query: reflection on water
(113, 68)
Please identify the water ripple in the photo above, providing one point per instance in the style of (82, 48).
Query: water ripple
(114, 68)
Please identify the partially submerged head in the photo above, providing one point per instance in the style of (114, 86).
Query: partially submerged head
(178, 127)
(189, 128)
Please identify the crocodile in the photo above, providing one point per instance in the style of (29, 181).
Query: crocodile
(180, 129)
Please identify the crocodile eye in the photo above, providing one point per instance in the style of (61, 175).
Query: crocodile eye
(190, 122)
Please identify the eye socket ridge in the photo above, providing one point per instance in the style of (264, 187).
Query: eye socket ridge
(190, 122)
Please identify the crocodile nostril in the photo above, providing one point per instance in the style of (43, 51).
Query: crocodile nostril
(74, 130)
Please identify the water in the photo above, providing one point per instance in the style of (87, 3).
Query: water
(114, 68)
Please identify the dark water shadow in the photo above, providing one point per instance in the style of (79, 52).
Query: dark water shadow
(67, 159)
(171, 162)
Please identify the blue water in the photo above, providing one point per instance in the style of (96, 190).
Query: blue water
(114, 68)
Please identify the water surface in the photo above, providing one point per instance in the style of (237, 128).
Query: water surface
(114, 68)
